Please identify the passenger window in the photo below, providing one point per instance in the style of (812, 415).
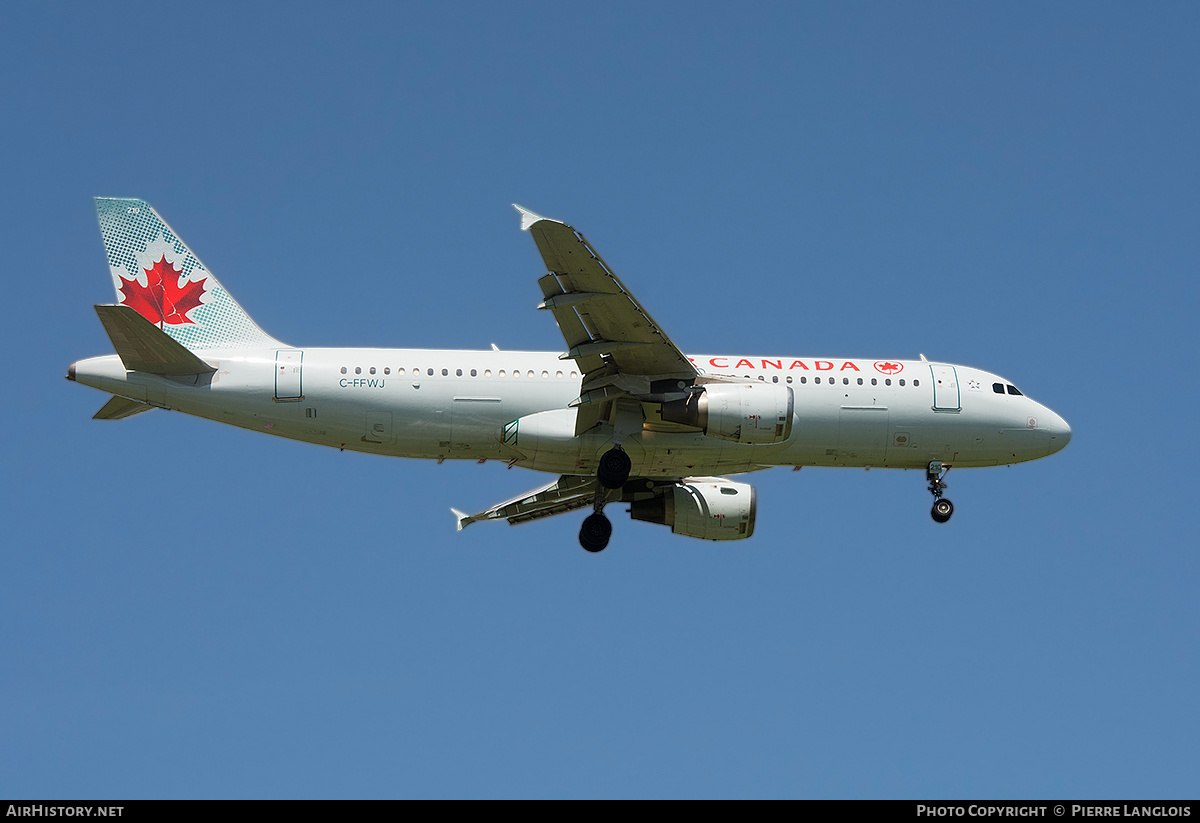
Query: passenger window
(343, 369)
(445, 372)
(429, 372)
(387, 370)
(887, 381)
(458, 372)
(516, 373)
(901, 381)
(502, 372)
(530, 374)
(488, 373)
(573, 375)
(845, 381)
(775, 379)
(860, 381)
(558, 374)
(998, 388)
(400, 372)
(472, 372)
(803, 379)
(358, 369)
(816, 380)
(545, 374)
(874, 381)
(1014, 390)
(372, 370)
(789, 378)
(916, 383)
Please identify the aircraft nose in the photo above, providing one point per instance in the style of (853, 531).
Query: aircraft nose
(1060, 432)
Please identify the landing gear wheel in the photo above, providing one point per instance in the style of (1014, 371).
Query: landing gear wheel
(594, 533)
(942, 509)
(614, 468)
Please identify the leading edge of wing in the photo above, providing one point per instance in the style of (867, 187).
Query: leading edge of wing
(602, 323)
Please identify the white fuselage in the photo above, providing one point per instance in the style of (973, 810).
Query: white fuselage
(456, 404)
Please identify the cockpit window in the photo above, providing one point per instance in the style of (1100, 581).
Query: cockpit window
(998, 388)
(1014, 390)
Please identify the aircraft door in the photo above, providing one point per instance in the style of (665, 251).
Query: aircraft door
(289, 383)
(946, 396)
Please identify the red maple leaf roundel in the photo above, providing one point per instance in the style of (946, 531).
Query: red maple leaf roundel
(162, 300)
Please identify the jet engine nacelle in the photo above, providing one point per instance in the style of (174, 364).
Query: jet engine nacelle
(752, 413)
(707, 508)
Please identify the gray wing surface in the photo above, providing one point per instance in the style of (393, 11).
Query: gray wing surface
(618, 347)
(623, 355)
(565, 494)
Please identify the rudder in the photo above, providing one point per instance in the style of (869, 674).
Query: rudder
(156, 274)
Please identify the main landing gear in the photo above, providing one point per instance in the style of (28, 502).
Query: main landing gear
(614, 468)
(595, 531)
(612, 472)
(942, 508)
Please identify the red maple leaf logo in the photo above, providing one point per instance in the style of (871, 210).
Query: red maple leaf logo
(161, 300)
(888, 367)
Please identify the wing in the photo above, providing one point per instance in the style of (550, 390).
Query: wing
(565, 494)
(618, 347)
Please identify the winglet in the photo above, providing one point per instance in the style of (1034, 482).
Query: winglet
(464, 519)
(528, 218)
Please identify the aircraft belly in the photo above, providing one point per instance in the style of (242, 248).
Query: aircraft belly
(814, 440)
(863, 435)
(672, 454)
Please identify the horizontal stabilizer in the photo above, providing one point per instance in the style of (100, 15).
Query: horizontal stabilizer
(144, 347)
(119, 408)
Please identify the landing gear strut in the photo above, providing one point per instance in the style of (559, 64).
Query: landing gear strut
(612, 472)
(942, 508)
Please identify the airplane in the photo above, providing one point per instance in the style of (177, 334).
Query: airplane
(621, 416)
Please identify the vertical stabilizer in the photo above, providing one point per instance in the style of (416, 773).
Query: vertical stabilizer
(158, 276)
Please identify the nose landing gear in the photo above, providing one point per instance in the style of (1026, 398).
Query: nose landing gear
(942, 508)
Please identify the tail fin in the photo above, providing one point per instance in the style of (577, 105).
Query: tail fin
(158, 276)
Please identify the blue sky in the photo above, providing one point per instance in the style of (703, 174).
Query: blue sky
(198, 611)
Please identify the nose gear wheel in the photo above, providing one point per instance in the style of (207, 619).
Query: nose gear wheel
(942, 508)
